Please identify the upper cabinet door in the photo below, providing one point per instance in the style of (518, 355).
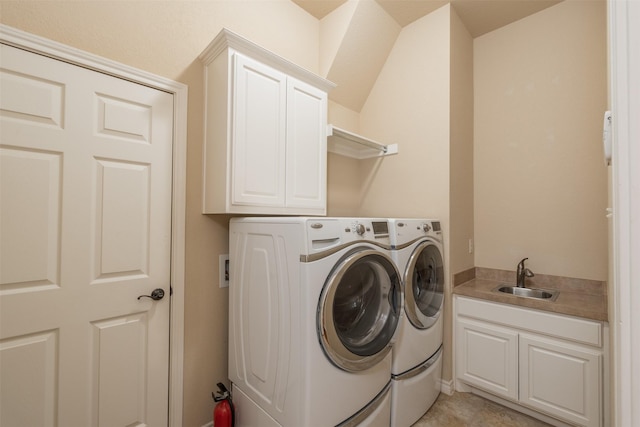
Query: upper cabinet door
(259, 138)
(306, 172)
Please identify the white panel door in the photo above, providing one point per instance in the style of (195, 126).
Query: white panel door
(259, 119)
(85, 193)
(306, 146)
(561, 379)
(487, 357)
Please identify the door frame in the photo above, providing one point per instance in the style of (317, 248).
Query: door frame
(58, 51)
(624, 88)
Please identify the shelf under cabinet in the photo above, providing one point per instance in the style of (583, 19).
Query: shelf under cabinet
(348, 144)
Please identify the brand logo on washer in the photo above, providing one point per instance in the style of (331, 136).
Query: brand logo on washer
(316, 225)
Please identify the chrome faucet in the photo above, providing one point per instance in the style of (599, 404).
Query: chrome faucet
(522, 273)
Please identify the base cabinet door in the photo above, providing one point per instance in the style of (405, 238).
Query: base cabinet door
(561, 379)
(487, 357)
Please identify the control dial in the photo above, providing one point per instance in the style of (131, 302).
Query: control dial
(426, 227)
(359, 229)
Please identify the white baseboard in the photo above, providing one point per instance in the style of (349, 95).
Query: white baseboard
(447, 387)
(209, 424)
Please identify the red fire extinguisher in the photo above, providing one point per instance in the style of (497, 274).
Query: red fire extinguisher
(224, 413)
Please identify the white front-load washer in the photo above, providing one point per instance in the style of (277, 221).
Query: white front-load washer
(417, 249)
(314, 305)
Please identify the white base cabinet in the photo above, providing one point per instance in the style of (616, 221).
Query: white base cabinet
(265, 149)
(547, 362)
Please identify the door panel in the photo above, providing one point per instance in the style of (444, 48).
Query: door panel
(122, 219)
(31, 98)
(118, 364)
(28, 368)
(86, 226)
(30, 219)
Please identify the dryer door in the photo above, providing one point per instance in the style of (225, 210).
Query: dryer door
(424, 285)
(359, 309)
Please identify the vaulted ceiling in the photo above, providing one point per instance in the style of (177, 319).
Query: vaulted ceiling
(479, 16)
(358, 35)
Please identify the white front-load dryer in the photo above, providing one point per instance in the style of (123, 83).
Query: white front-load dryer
(314, 305)
(417, 249)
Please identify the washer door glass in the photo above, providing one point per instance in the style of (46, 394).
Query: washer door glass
(424, 286)
(359, 310)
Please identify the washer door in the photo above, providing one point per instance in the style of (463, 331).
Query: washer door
(359, 310)
(424, 285)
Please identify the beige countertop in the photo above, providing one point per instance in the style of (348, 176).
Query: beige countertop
(571, 301)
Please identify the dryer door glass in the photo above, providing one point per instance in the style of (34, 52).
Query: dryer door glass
(359, 310)
(424, 286)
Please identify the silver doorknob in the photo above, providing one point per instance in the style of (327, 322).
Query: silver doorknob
(156, 295)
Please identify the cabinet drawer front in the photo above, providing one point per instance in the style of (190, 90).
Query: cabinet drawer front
(556, 325)
(487, 357)
(561, 379)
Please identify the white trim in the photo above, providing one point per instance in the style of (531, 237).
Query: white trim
(446, 387)
(55, 50)
(624, 74)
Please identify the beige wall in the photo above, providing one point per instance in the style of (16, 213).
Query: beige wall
(409, 105)
(343, 177)
(540, 179)
(461, 228)
(166, 38)
(461, 147)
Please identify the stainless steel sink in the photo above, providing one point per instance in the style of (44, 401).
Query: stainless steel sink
(528, 292)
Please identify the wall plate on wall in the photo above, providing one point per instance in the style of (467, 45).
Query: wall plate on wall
(223, 268)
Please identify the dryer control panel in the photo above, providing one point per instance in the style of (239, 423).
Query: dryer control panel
(362, 227)
(372, 229)
(326, 233)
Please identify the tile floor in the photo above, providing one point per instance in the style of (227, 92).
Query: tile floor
(469, 410)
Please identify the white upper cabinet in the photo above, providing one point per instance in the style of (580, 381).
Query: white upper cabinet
(265, 149)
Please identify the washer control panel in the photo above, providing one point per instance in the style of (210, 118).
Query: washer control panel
(404, 230)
